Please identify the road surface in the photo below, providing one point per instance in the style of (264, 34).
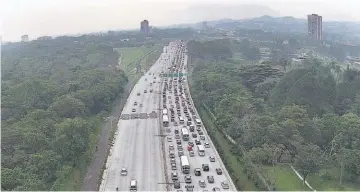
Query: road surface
(195, 161)
(139, 137)
(136, 145)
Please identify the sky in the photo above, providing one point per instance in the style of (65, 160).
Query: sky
(59, 17)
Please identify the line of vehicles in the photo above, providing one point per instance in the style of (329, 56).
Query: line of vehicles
(177, 103)
(184, 128)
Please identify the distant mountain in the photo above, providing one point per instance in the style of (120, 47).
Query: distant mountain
(280, 24)
(217, 12)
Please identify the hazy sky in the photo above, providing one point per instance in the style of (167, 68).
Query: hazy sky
(56, 17)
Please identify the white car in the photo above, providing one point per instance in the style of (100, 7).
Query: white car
(123, 172)
(202, 183)
(207, 145)
(225, 185)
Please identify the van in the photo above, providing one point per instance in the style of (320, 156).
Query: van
(133, 185)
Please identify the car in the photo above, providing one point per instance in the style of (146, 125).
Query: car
(189, 188)
(174, 176)
(189, 148)
(169, 139)
(176, 131)
(180, 153)
(191, 144)
(216, 189)
(225, 185)
(145, 79)
(151, 90)
(133, 110)
(177, 185)
(141, 105)
(191, 153)
(207, 145)
(218, 171)
(172, 155)
(172, 161)
(194, 135)
(202, 183)
(145, 91)
(171, 147)
(187, 179)
(205, 167)
(173, 166)
(123, 172)
(197, 142)
(210, 179)
(176, 123)
(135, 103)
(178, 141)
(197, 172)
(212, 159)
(202, 137)
(177, 136)
(201, 133)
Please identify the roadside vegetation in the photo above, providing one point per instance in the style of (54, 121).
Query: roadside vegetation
(55, 95)
(132, 57)
(304, 116)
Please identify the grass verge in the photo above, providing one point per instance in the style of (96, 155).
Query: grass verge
(329, 180)
(225, 146)
(285, 179)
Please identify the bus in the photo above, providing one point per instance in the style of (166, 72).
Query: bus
(198, 122)
(185, 166)
(201, 150)
(165, 120)
(165, 112)
(185, 134)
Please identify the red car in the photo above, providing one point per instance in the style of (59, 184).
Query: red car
(189, 148)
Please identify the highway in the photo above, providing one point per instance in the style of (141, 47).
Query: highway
(196, 161)
(141, 142)
(137, 144)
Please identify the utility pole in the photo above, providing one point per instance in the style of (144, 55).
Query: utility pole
(342, 166)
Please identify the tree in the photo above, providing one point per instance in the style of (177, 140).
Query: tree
(308, 160)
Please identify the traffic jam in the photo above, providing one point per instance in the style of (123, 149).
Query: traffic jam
(191, 163)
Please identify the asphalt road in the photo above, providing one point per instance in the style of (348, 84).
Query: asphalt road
(137, 144)
(196, 161)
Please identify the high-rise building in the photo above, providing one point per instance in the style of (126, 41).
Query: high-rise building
(25, 38)
(315, 26)
(204, 26)
(144, 26)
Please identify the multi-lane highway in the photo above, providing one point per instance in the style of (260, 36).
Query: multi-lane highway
(177, 101)
(137, 144)
(142, 145)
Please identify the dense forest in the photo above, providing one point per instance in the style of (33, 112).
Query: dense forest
(55, 93)
(307, 116)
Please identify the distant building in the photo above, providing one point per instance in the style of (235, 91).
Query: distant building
(315, 26)
(204, 26)
(25, 38)
(144, 26)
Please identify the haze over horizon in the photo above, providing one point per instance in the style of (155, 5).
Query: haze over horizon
(39, 17)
